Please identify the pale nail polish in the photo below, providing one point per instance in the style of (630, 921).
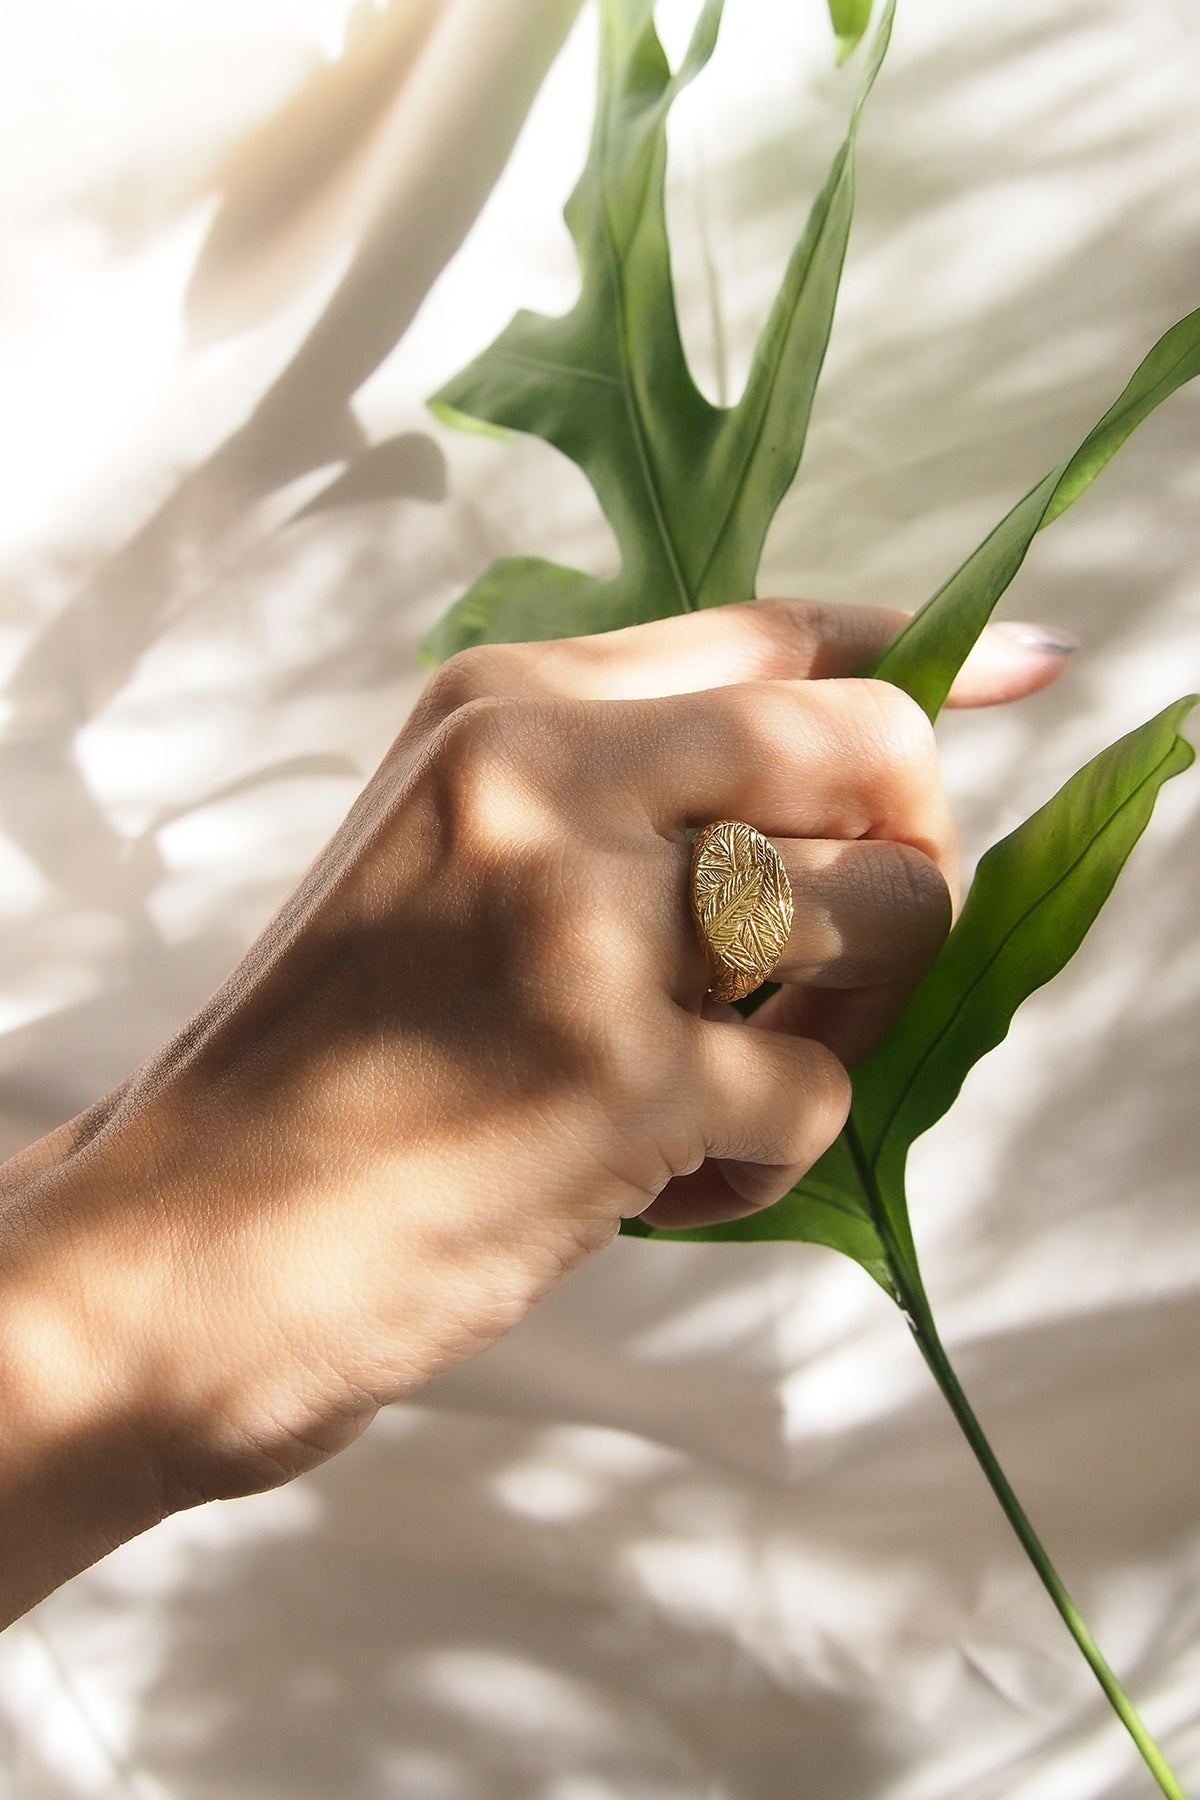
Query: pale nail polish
(1050, 639)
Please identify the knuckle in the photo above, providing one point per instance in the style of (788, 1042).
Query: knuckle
(921, 888)
(641, 1056)
(473, 674)
(790, 630)
(642, 1083)
(821, 1102)
(902, 729)
(825, 1085)
(806, 1103)
(741, 723)
(481, 792)
(757, 713)
(473, 733)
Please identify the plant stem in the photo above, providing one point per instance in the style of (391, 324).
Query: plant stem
(920, 1322)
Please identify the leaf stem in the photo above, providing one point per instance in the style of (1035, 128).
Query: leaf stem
(920, 1323)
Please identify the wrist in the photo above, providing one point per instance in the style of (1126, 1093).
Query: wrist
(175, 1321)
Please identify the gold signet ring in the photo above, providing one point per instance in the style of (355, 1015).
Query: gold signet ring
(742, 905)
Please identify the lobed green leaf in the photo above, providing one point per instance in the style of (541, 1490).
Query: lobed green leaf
(689, 488)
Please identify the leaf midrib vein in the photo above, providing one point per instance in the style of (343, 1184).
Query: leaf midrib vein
(807, 1192)
(546, 365)
(616, 273)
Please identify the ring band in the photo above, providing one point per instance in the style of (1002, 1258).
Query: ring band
(742, 904)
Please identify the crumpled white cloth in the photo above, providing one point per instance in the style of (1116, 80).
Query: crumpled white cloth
(701, 1529)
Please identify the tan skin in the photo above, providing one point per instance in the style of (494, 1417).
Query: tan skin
(473, 1041)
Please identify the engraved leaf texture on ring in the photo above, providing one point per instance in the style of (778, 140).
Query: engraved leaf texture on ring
(742, 905)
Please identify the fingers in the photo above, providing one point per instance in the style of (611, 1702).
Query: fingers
(754, 640)
(869, 917)
(851, 1022)
(829, 759)
(768, 1107)
(773, 1091)
(864, 913)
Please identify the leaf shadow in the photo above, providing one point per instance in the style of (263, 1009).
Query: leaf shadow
(416, 1623)
(270, 1648)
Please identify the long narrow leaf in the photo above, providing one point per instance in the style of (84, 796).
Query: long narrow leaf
(935, 643)
(1034, 898)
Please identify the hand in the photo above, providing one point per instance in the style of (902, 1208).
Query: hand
(476, 1038)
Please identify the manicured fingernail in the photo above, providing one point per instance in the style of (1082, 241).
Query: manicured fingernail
(1050, 639)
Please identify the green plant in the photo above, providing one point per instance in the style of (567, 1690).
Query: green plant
(690, 489)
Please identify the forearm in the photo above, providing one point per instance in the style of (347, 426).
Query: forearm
(81, 1426)
(66, 1498)
(141, 1371)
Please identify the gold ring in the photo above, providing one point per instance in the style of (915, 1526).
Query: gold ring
(742, 905)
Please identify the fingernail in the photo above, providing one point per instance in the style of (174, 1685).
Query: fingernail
(1050, 639)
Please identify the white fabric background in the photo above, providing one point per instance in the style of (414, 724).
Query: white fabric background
(701, 1529)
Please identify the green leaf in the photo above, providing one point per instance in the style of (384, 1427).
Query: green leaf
(928, 653)
(1034, 898)
(850, 19)
(532, 593)
(689, 488)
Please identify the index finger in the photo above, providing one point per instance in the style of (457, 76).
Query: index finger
(828, 759)
(751, 640)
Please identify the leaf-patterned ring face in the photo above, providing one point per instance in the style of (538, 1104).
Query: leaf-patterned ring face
(742, 905)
